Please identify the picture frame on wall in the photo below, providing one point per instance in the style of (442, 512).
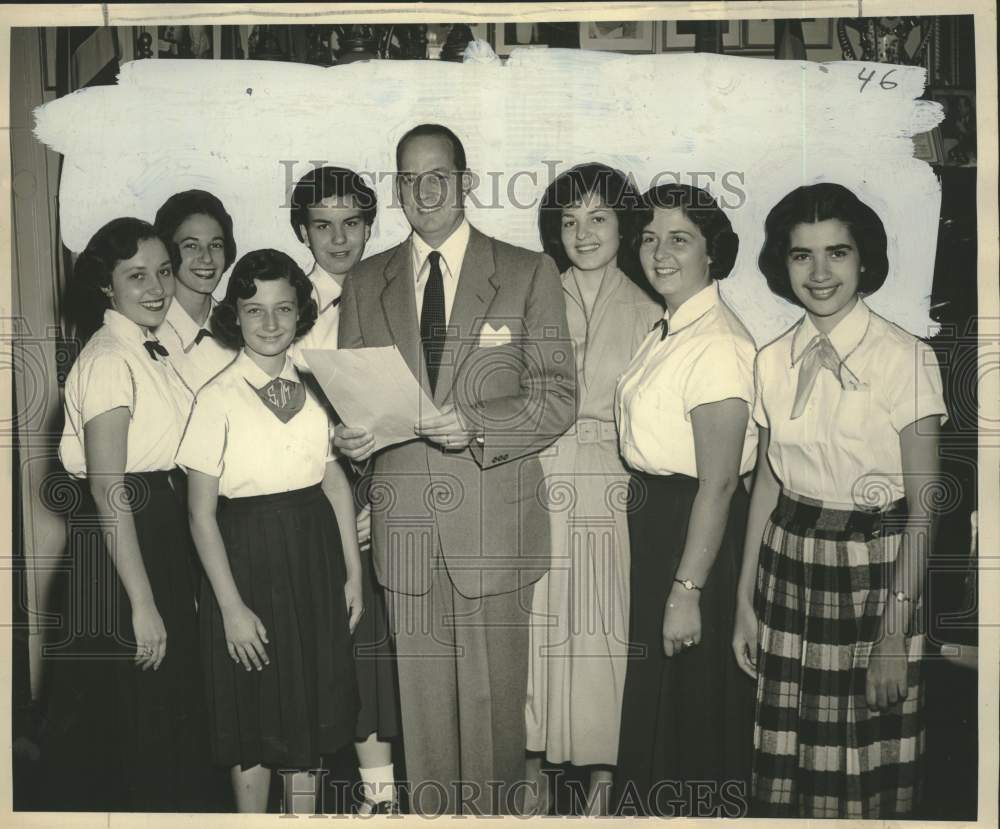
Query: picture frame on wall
(507, 36)
(817, 33)
(635, 36)
(679, 35)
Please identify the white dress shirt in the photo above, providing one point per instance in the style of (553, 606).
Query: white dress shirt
(196, 363)
(452, 252)
(115, 370)
(233, 436)
(707, 357)
(844, 449)
(326, 291)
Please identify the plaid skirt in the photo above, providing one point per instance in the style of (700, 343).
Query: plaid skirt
(822, 585)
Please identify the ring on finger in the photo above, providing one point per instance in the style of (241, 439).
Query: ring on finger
(688, 643)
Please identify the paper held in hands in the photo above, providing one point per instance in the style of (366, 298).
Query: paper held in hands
(372, 388)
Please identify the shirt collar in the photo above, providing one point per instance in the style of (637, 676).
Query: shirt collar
(124, 329)
(845, 337)
(451, 249)
(256, 376)
(185, 327)
(325, 285)
(694, 308)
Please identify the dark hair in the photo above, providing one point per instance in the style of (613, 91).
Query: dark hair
(179, 207)
(321, 183)
(569, 189)
(457, 150)
(701, 209)
(115, 242)
(263, 265)
(817, 203)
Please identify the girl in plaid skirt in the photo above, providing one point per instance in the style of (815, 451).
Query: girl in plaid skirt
(829, 619)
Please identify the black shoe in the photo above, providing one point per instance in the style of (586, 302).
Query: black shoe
(383, 807)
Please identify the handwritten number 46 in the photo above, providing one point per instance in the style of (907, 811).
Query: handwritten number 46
(884, 83)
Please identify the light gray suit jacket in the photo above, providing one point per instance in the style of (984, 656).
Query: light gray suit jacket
(484, 507)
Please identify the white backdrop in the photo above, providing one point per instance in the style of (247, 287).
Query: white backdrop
(753, 128)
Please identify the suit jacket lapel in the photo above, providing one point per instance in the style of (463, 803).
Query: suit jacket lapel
(399, 305)
(476, 288)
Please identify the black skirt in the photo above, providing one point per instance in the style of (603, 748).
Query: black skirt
(687, 721)
(374, 652)
(118, 738)
(286, 558)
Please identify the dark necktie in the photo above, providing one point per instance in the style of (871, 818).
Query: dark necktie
(202, 333)
(664, 327)
(432, 321)
(155, 349)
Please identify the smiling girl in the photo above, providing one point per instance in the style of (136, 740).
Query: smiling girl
(332, 214)
(829, 603)
(683, 409)
(202, 247)
(125, 722)
(579, 635)
(273, 520)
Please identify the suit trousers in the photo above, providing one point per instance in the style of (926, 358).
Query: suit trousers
(462, 667)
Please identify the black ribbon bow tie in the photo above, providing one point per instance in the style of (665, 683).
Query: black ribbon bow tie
(202, 333)
(334, 302)
(155, 349)
(664, 327)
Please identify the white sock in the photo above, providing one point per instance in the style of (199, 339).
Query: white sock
(378, 783)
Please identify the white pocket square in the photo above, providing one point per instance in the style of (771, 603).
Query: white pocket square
(490, 337)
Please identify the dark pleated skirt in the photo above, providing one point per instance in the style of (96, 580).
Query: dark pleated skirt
(288, 565)
(687, 721)
(375, 663)
(118, 738)
(374, 652)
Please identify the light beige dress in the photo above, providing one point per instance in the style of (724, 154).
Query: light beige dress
(579, 632)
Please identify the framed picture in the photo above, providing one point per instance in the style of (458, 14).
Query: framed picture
(927, 146)
(817, 33)
(958, 129)
(679, 35)
(634, 36)
(504, 37)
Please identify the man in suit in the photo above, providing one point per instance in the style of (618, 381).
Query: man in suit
(459, 525)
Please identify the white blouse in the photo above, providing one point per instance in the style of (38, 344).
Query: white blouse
(233, 436)
(326, 291)
(844, 449)
(115, 370)
(196, 362)
(707, 357)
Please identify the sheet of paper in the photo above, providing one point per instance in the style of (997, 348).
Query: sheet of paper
(373, 388)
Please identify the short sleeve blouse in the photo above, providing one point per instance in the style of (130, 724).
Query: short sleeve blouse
(234, 436)
(844, 449)
(707, 357)
(115, 370)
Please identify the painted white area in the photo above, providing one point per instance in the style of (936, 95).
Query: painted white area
(757, 127)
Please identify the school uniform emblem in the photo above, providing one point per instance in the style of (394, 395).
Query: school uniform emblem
(285, 398)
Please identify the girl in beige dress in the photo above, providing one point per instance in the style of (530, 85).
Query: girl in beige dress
(580, 612)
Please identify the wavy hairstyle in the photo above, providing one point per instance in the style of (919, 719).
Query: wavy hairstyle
(569, 189)
(817, 203)
(180, 206)
(261, 265)
(321, 183)
(115, 242)
(702, 210)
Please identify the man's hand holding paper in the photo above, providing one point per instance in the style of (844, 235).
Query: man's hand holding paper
(375, 394)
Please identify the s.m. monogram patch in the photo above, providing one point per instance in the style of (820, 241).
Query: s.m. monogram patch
(285, 398)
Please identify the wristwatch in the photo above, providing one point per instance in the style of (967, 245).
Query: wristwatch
(687, 584)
